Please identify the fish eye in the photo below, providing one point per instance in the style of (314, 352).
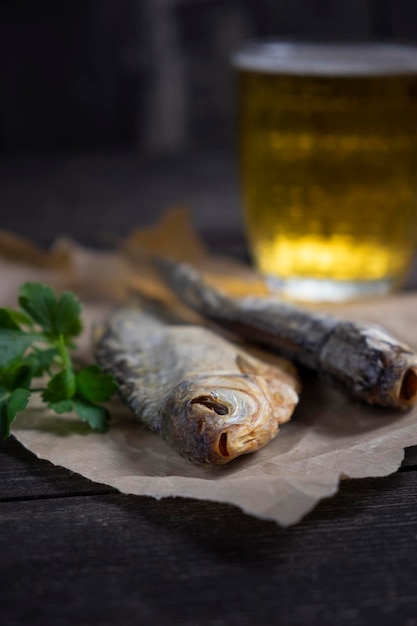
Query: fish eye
(213, 405)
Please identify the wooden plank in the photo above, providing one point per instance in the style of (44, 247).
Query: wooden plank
(117, 193)
(410, 459)
(117, 559)
(24, 476)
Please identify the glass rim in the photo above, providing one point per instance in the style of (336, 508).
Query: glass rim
(280, 56)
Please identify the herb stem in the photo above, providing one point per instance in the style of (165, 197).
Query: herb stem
(63, 353)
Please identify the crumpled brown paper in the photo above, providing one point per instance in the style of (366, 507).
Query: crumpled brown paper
(330, 436)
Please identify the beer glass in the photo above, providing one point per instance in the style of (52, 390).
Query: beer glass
(328, 146)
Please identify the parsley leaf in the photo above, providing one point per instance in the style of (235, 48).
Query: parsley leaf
(7, 320)
(14, 343)
(67, 320)
(36, 340)
(42, 360)
(96, 416)
(17, 375)
(94, 385)
(16, 317)
(64, 406)
(38, 302)
(61, 387)
(11, 403)
(56, 316)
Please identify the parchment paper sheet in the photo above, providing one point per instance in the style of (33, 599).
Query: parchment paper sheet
(328, 437)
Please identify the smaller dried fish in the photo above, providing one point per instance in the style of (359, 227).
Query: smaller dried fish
(210, 400)
(359, 359)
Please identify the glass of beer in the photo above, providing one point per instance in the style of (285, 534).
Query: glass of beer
(328, 146)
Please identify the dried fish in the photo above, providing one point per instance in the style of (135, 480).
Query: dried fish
(359, 359)
(209, 399)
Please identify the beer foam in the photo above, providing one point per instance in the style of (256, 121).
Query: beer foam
(321, 59)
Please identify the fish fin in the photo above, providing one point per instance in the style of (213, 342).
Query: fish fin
(248, 365)
(253, 365)
(280, 386)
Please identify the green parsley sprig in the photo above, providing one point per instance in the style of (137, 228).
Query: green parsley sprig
(36, 340)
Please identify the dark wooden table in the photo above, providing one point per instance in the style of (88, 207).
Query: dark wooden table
(76, 552)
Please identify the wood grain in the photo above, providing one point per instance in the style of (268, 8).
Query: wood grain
(23, 476)
(115, 559)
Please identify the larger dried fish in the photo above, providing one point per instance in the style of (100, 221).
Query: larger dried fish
(361, 360)
(210, 400)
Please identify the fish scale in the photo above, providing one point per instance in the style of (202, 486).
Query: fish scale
(361, 360)
(208, 398)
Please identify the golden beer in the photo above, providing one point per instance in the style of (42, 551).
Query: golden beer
(328, 147)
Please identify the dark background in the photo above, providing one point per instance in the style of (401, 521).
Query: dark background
(152, 76)
(113, 110)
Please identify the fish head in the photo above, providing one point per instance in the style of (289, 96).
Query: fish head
(215, 418)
